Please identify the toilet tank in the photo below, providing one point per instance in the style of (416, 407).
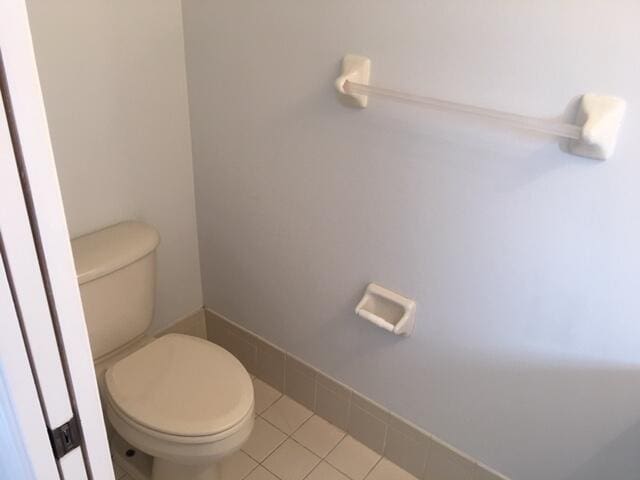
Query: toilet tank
(116, 270)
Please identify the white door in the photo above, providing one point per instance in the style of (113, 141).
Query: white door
(38, 283)
(25, 451)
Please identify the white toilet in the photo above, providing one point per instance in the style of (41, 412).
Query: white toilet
(183, 400)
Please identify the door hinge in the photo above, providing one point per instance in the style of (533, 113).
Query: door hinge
(65, 438)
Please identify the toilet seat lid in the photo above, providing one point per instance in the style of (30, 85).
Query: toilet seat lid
(181, 385)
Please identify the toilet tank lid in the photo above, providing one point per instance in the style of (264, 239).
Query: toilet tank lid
(99, 253)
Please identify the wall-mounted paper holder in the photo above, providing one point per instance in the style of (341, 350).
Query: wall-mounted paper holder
(387, 310)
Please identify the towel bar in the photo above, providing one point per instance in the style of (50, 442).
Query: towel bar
(599, 116)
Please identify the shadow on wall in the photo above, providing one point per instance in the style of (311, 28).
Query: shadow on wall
(548, 416)
(623, 452)
(584, 421)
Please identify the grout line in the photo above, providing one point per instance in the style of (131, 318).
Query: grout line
(314, 453)
(297, 428)
(338, 469)
(287, 437)
(349, 408)
(322, 459)
(280, 395)
(290, 437)
(265, 467)
(315, 394)
(250, 471)
(335, 446)
(272, 451)
(373, 468)
(274, 426)
(384, 439)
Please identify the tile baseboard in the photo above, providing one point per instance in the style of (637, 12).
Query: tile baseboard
(193, 324)
(416, 451)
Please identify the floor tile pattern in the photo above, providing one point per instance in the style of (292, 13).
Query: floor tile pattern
(289, 442)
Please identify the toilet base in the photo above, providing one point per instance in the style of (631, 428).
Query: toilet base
(165, 470)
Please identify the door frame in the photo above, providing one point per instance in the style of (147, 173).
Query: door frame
(65, 325)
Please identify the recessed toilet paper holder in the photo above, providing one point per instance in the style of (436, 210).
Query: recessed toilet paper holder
(387, 310)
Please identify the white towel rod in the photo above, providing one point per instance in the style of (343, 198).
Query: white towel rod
(594, 135)
(540, 125)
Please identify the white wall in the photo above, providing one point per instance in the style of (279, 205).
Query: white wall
(524, 261)
(114, 85)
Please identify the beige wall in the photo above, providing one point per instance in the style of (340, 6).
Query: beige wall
(113, 79)
(524, 260)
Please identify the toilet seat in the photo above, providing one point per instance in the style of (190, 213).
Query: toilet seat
(181, 387)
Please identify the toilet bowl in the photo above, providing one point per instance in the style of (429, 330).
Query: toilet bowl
(183, 400)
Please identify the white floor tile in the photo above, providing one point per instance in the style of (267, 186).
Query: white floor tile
(287, 414)
(265, 395)
(237, 466)
(324, 471)
(385, 470)
(353, 458)
(261, 473)
(118, 471)
(318, 435)
(264, 439)
(291, 461)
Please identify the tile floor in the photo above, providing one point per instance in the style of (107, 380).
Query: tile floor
(120, 473)
(289, 442)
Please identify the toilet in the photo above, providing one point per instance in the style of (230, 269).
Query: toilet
(183, 400)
